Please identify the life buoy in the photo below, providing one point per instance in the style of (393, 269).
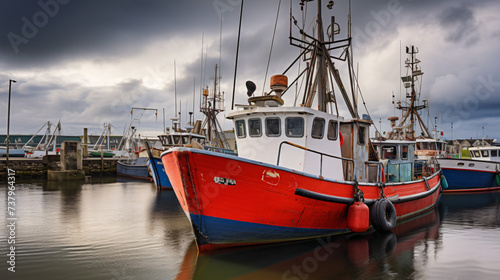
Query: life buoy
(341, 139)
(383, 215)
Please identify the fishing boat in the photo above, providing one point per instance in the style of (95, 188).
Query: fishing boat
(428, 145)
(101, 148)
(156, 168)
(47, 144)
(136, 168)
(206, 134)
(406, 156)
(301, 171)
(479, 173)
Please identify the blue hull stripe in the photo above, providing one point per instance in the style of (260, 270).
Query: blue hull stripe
(224, 231)
(468, 179)
(159, 175)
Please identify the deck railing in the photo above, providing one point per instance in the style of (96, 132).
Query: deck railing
(350, 162)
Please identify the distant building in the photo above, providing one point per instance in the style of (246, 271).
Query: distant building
(455, 146)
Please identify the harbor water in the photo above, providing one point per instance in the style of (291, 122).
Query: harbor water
(109, 229)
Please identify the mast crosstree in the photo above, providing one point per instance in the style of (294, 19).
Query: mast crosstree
(321, 72)
(411, 111)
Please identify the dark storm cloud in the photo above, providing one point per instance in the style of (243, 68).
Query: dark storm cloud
(109, 32)
(49, 31)
(459, 22)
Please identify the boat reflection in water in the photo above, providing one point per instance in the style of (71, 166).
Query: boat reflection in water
(371, 255)
(478, 210)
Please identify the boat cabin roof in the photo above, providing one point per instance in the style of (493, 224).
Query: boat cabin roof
(249, 109)
(428, 140)
(173, 138)
(485, 148)
(406, 142)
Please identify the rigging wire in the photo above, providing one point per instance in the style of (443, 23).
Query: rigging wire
(362, 97)
(271, 49)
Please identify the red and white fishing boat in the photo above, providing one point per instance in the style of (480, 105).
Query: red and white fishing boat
(301, 172)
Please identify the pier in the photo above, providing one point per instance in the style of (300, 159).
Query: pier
(38, 168)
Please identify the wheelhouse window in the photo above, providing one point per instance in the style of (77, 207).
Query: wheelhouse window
(196, 139)
(439, 146)
(404, 152)
(185, 139)
(389, 152)
(484, 153)
(254, 128)
(171, 140)
(318, 128)
(273, 127)
(494, 153)
(332, 130)
(476, 153)
(361, 135)
(294, 126)
(177, 139)
(240, 128)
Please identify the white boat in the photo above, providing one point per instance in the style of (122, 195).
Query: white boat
(47, 145)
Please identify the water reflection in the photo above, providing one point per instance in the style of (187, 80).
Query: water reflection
(167, 217)
(471, 209)
(104, 229)
(373, 255)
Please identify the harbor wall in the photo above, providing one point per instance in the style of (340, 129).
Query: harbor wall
(37, 168)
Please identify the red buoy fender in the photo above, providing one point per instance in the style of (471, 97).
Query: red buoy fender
(383, 176)
(358, 217)
(341, 139)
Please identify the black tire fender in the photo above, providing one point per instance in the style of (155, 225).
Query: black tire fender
(383, 215)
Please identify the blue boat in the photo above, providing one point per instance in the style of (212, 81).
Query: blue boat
(134, 168)
(479, 173)
(155, 165)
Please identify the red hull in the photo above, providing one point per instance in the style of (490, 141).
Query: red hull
(232, 201)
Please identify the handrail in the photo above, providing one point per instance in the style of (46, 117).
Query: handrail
(316, 152)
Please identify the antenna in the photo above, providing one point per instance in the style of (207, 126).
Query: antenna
(348, 20)
(175, 91)
(237, 52)
(201, 68)
(194, 96)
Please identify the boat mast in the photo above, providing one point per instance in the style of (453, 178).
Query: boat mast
(412, 63)
(212, 105)
(321, 69)
(321, 82)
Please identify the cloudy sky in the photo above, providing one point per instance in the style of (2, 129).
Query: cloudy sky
(89, 62)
